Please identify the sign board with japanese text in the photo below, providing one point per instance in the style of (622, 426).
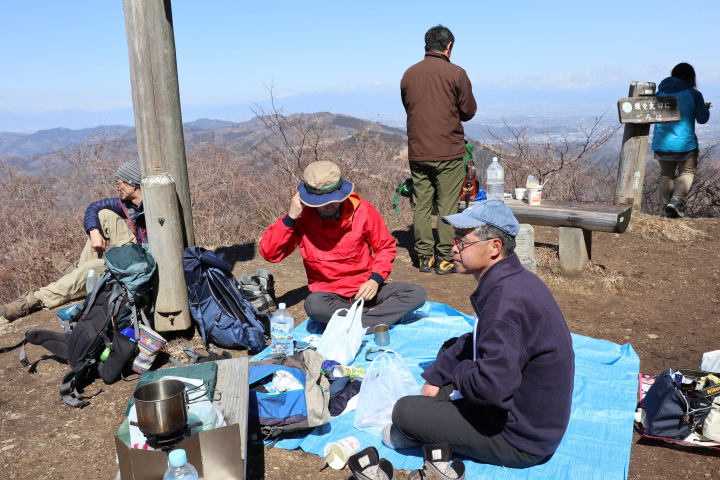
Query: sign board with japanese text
(648, 109)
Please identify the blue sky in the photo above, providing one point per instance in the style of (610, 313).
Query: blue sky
(68, 59)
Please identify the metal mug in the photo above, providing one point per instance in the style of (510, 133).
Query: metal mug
(382, 335)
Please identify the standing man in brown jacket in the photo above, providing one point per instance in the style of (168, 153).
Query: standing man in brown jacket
(437, 96)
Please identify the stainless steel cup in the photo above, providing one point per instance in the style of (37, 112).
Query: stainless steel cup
(382, 335)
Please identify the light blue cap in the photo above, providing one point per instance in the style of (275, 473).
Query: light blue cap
(177, 458)
(488, 212)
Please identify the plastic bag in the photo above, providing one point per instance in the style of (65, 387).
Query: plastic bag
(386, 381)
(711, 361)
(343, 335)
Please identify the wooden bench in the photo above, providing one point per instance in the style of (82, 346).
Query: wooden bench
(576, 222)
(232, 382)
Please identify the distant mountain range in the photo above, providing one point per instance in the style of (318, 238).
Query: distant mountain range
(48, 147)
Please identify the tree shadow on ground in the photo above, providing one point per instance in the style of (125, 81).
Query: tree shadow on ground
(294, 296)
(238, 253)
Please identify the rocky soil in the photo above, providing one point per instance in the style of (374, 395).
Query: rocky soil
(655, 287)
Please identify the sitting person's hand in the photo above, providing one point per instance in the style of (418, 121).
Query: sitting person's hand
(430, 390)
(97, 241)
(367, 290)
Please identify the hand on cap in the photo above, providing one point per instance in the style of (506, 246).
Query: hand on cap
(296, 207)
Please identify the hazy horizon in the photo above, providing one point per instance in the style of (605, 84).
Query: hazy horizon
(66, 64)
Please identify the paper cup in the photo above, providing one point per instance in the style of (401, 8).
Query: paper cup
(535, 196)
(337, 453)
(520, 193)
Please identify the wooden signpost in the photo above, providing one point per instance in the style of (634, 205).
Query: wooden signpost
(637, 112)
(650, 109)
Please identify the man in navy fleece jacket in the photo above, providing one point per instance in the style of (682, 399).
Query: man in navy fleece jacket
(501, 394)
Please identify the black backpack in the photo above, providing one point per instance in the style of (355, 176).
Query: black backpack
(118, 300)
(217, 305)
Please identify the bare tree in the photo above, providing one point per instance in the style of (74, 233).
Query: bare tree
(568, 165)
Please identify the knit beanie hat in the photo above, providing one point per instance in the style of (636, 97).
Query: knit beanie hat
(129, 172)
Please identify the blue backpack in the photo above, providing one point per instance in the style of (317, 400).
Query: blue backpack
(302, 402)
(223, 315)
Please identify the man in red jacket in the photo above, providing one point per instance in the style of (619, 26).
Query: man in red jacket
(346, 247)
(437, 96)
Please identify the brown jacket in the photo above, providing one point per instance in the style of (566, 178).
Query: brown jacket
(437, 96)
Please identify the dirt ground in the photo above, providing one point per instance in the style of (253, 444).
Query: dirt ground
(655, 287)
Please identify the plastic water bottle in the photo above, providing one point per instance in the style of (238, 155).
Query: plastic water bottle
(91, 280)
(495, 180)
(179, 468)
(282, 325)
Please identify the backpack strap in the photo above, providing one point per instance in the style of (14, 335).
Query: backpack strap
(708, 392)
(69, 394)
(23, 357)
(13, 347)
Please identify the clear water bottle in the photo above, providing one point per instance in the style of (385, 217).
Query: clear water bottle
(179, 468)
(495, 180)
(92, 279)
(282, 325)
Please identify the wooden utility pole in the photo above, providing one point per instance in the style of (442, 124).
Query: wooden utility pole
(161, 147)
(637, 113)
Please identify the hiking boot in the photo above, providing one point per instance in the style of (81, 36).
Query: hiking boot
(61, 264)
(438, 465)
(20, 307)
(445, 267)
(366, 465)
(426, 263)
(675, 209)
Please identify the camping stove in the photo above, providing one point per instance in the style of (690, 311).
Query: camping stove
(170, 441)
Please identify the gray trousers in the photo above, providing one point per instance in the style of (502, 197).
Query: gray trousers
(392, 302)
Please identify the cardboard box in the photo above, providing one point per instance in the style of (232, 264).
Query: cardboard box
(214, 453)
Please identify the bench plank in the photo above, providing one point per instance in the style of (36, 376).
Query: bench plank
(597, 217)
(232, 382)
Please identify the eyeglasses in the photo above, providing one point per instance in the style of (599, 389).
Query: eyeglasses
(119, 183)
(461, 245)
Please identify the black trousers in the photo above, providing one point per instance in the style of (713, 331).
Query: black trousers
(472, 430)
(392, 302)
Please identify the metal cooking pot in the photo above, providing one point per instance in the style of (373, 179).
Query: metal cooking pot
(162, 407)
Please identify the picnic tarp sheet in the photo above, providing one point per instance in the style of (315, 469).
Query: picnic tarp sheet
(598, 439)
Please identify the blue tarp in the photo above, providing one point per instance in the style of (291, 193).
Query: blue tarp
(598, 439)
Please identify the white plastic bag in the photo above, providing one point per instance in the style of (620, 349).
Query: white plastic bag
(387, 379)
(343, 335)
(711, 361)
(711, 427)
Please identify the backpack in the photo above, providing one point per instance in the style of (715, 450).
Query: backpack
(678, 403)
(118, 299)
(273, 412)
(222, 314)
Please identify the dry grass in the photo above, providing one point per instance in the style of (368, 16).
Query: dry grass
(592, 275)
(676, 229)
